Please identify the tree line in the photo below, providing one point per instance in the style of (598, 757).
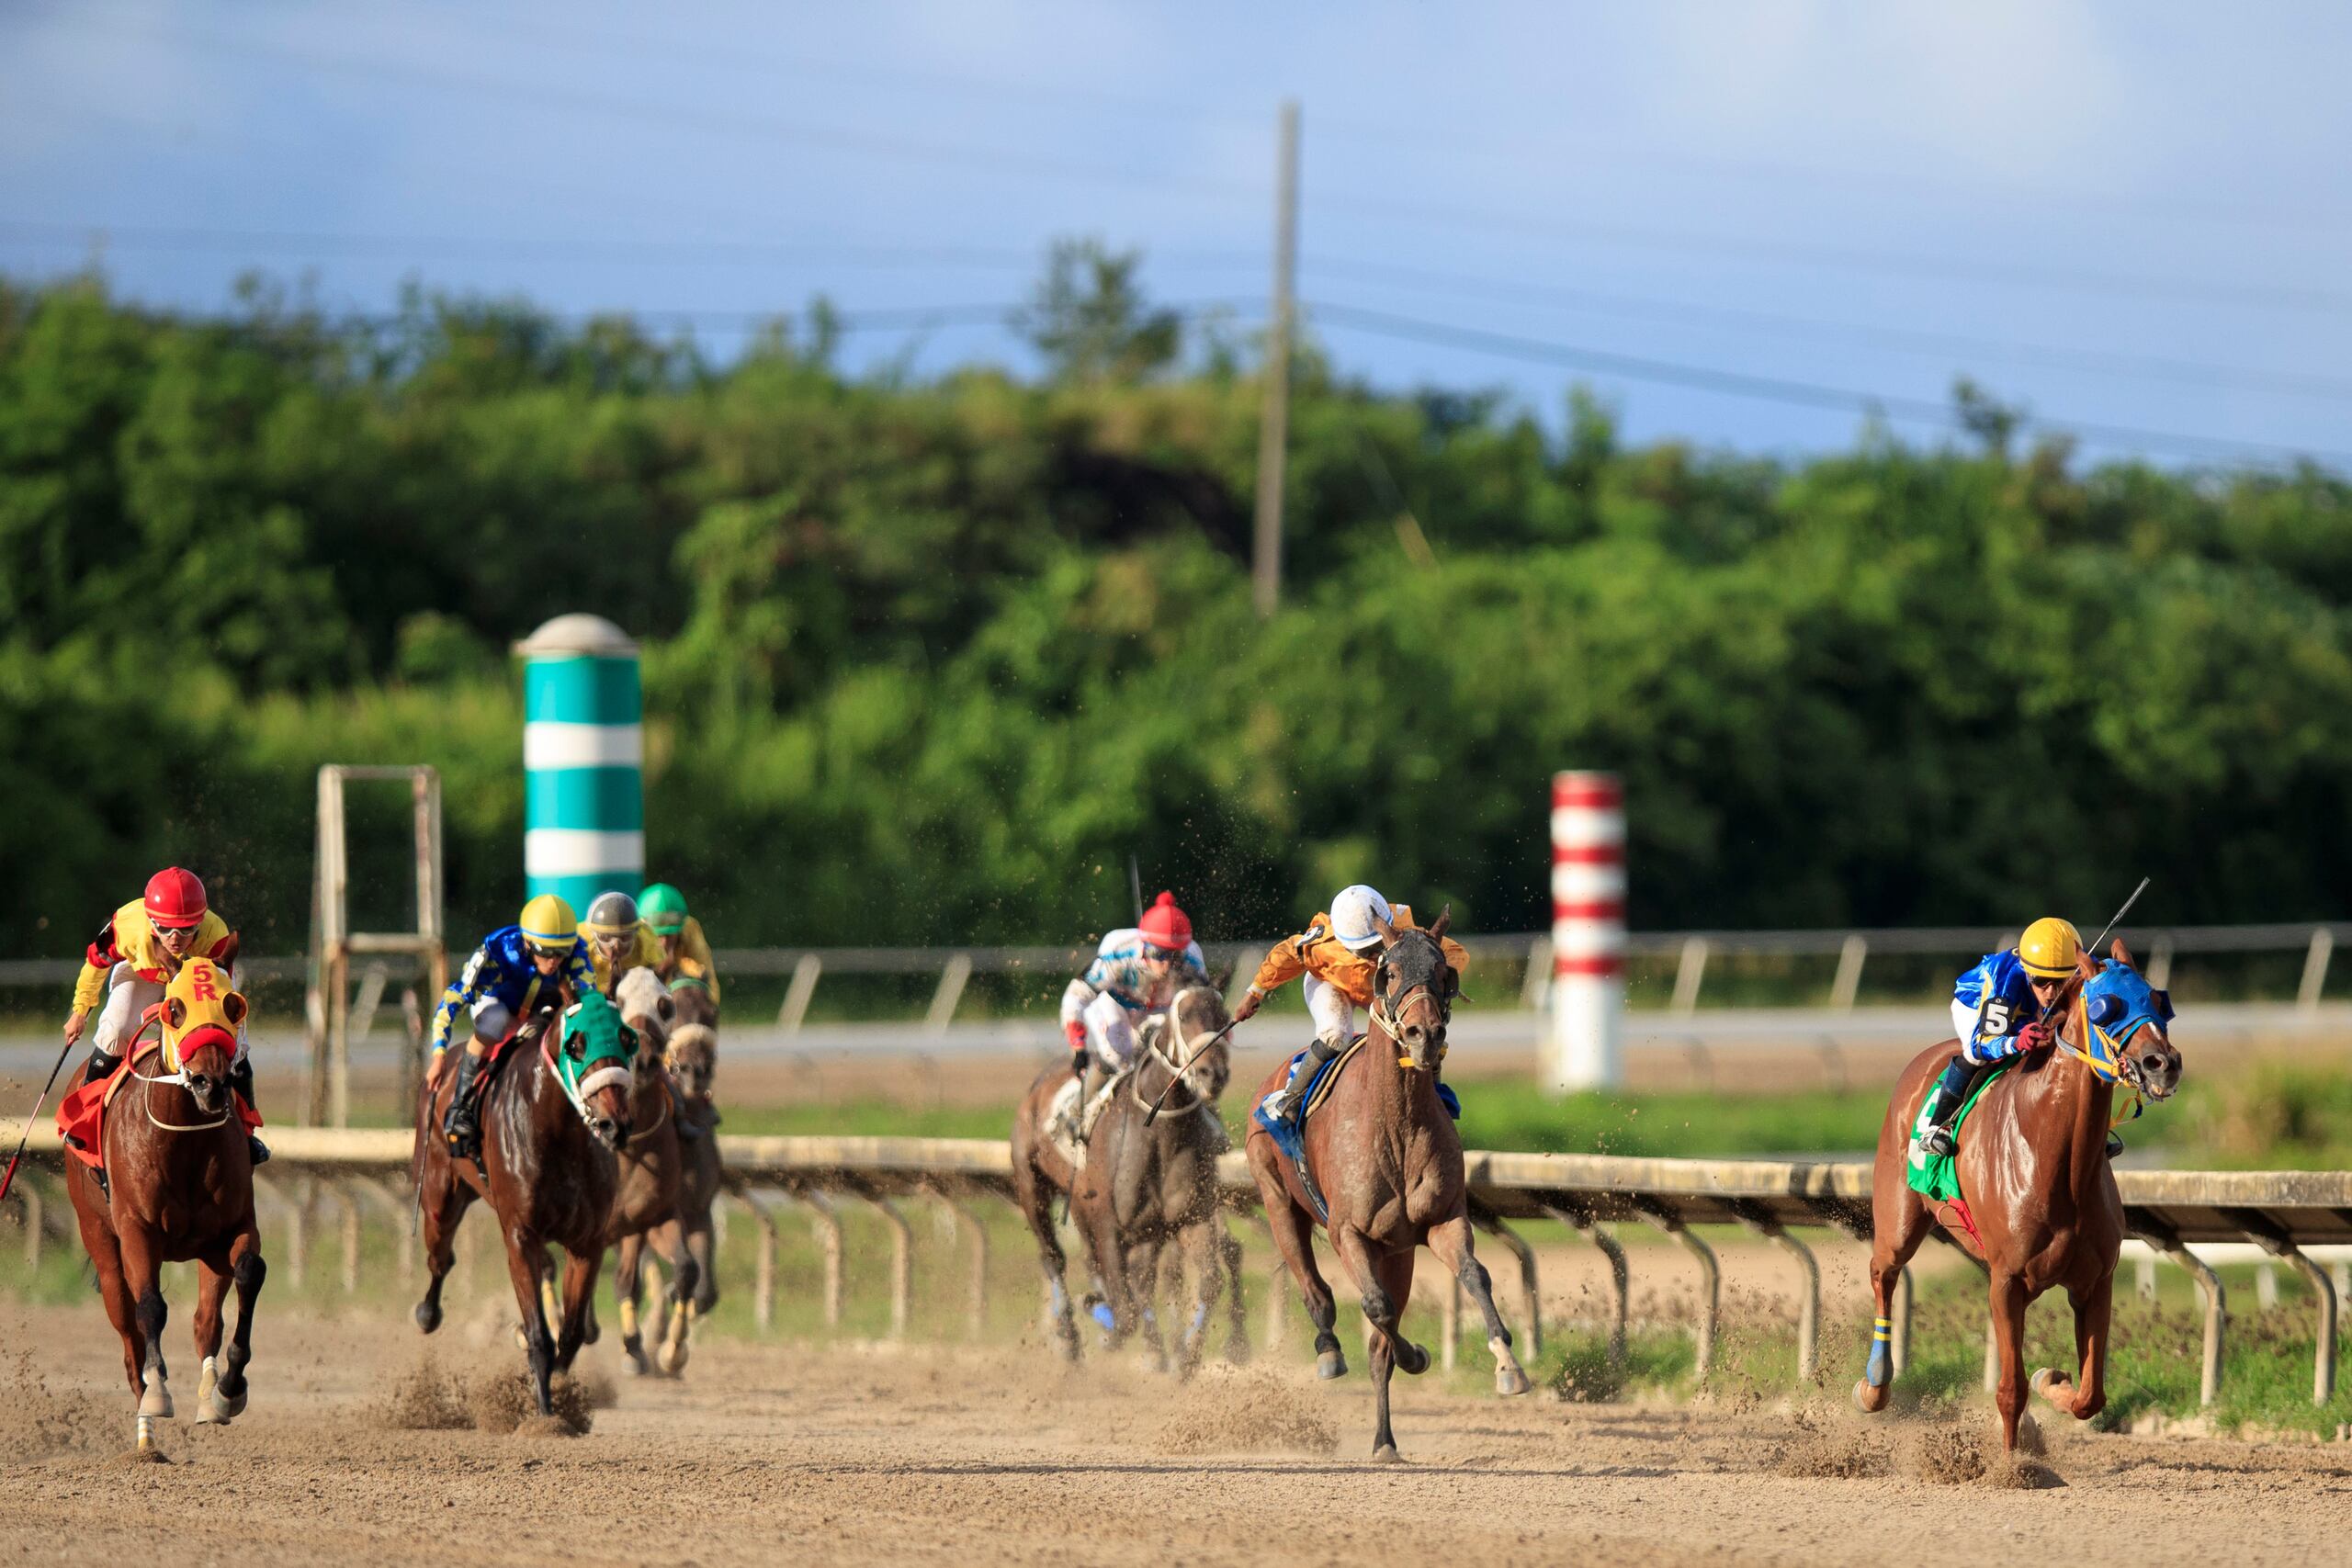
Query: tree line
(927, 658)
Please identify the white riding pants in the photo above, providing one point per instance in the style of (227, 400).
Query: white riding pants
(1334, 1012)
(1110, 1035)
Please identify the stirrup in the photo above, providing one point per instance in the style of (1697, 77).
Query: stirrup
(2114, 1142)
(256, 1152)
(1939, 1142)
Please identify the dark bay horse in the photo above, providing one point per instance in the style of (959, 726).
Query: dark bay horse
(692, 1061)
(1387, 1158)
(653, 1179)
(552, 1116)
(182, 1188)
(1146, 1181)
(2034, 1173)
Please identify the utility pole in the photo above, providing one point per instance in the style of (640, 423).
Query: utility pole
(1274, 430)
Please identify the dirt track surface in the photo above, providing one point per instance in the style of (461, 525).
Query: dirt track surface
(935, 1456)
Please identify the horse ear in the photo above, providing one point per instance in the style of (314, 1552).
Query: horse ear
(1388, 932)
(2123, 955)
(174, 1011)
(233, 1004)
(1444, 919)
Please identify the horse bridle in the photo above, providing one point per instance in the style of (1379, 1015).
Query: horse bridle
(1199, 1048)
(1386, 1018)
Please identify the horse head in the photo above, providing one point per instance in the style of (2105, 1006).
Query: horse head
(200, 1017)
(692, 999)
(646, 1007)
(2130, 1023)
(693, 1060)
(1198, 1028)
(595, 1066)
(1413, 989)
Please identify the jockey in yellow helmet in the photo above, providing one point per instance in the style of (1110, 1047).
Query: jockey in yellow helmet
(1996, 1011)
(516, 970)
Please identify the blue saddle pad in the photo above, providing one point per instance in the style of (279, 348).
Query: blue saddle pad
(1290, 1137)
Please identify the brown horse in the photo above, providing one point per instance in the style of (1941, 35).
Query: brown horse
(1384, 1155)
(2041, 1205)
(182, 1188)
(653, 1179)
(1146, 1181)
(547, 1167)
(694, 1066)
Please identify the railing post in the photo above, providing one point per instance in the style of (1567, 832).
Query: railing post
(1849, 972)
(806, 970)
(35, 1222)
(1689, 973)
(977, 1235)
(1808, 1292)
(828, 1224)
(350, 1214)
(2316, 958)
(1493, 1226)
(1584, 1224)
(2209, 1284)
(764, 1280)
(952, 980)
(1710, 1280)
(1535, 986)
(903, 1269)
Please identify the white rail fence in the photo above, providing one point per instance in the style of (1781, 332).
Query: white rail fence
(339, 1177)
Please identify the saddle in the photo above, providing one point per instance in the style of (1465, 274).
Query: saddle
(1068, 1122)
(80, 1115)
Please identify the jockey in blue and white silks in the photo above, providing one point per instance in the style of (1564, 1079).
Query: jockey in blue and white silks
(1136, 971)
(1996, 1013)
(517, 969)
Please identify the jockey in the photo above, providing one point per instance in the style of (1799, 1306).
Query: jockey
(1337, 956)
(138, 951)
(1996, 1010)
(517, 969)
(685, 954)
(1136, 971)
(617, 940)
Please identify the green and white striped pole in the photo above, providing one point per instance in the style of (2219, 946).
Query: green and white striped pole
(584, 753)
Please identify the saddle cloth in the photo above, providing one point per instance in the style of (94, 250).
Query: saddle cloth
(80, 1115)
(1937, 1177)
(1290, 1136)
(1064, 1116)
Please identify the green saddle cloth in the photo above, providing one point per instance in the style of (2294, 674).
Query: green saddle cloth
(1938, 1175)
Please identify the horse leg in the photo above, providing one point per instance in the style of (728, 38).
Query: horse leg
(211, 1289)
(2092, 1308)
(527, 1263)
(2009, 1329)
(1392, 1277)
(246, 1268)
(1296, 1241)
(1142, 1271)
(106, 1261)
(580, 1271)
(1900, 1223)
(1036, 1204)
(1204, 1245)
(686, 1277)
(441, 1202)
(630, 1256)
(1236, 1334)
(1383, 1307)
(1452, 1243)
(1101, 1231)
(142, 1279)
(703, 1245)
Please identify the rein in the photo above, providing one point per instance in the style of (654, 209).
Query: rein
(1385, 1018)
(2115, 1067)
(1199, 1048)
(176, 1078)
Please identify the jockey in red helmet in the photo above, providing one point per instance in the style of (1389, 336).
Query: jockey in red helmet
(1136, 971)
(136, 955)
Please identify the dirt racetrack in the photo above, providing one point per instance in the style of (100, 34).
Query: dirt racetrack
(933, 1455)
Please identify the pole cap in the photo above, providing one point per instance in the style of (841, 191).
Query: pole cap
(578, 635)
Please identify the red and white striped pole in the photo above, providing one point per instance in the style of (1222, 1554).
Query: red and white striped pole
(1588, 931)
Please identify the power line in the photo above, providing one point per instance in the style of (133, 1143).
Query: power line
(1774, 389)
(1906, 339)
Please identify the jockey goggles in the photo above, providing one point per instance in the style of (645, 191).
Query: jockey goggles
(548, 949)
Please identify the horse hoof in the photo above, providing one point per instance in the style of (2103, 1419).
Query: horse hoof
(1387, 1454)
(594, 1332)
(1869, 1399)
(1411, 1359)
(157, 1400)
(1330, 1364)
(672, 1359)
(1510, 1383)
(428, 1316)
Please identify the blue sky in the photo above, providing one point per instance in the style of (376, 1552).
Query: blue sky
(2132, 218)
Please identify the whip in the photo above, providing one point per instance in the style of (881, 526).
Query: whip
(1153, 1114)
(8, 1177)
(2065, 995)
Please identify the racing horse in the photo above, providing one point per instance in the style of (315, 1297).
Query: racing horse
(182, 1188)
(652, 1178)
(1383, 1154)
(553, 1118)
(692, 1061)
(2041, 1205)
(1147, 1180)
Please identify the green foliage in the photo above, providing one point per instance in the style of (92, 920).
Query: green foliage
(927, 659)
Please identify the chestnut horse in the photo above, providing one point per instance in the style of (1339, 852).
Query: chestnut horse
(182, 1189)
(2034, 1174)
(547, 1167)
(653, 1179)
(1147, 1179)
(1385, 1157)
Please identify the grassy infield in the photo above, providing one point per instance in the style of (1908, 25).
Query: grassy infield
(2274, 1117)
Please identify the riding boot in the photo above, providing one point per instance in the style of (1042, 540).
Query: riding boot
(241, 1079)
(1944, 1102)
(1283, 1105)
(1090, 1086)
(462, 1127)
